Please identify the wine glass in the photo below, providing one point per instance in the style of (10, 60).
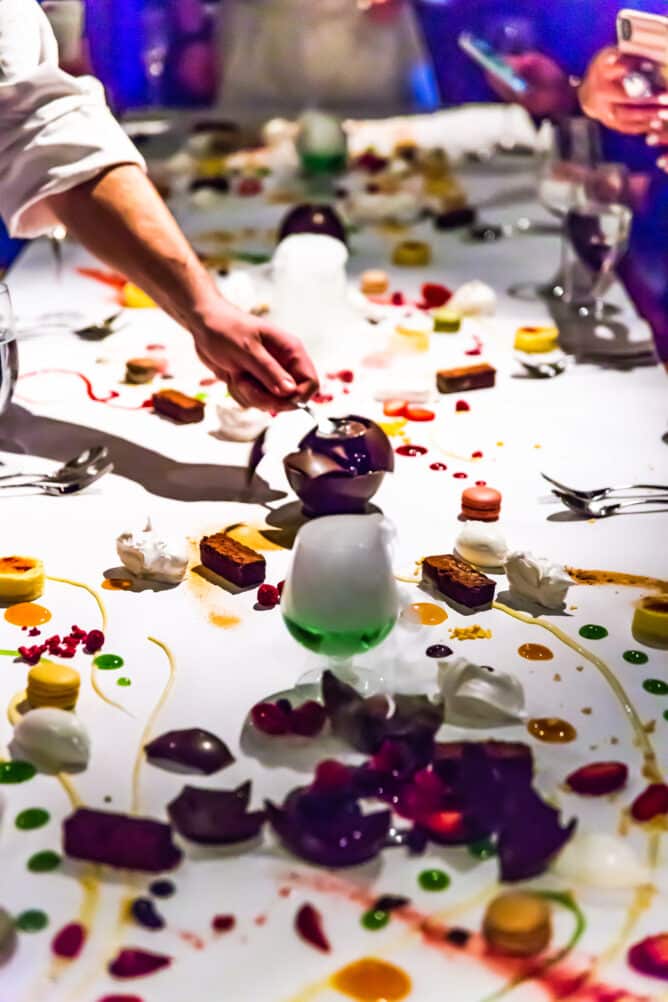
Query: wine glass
(598, 226)
(340, 597)
(8, 349)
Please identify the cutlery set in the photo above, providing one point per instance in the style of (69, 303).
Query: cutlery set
(604, 501)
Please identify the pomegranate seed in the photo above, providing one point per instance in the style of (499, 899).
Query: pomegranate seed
(331, 776)
(651, 802)
(477, 454)
(30, 655)
(69, 942)
(76, 631)
(308, 719)
(462, 405)
(270, 719)
(398, 299)
(268, 596)
(94, 642)
(346, 375)
(55, 639)
(598, 778)
(34, 632)
(434, 294)
(308, 923)
(419, 413)
(394, 408)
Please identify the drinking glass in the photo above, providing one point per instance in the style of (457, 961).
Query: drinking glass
(598, 226)
(340, 597)
(8, 350)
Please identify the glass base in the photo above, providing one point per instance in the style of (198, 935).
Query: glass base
(366, 682)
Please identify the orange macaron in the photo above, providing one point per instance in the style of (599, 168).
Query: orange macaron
(481, 504)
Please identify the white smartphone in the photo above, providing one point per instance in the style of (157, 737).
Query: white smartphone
(643, 35)
(486, 56)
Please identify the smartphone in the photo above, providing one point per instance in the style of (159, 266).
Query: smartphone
(643, 35)
(484, 55)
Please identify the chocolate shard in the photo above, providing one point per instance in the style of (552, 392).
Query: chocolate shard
(215, 817)
(458, 580)
(467, 377)
(193, 750)
(120, 841)
(233, 561)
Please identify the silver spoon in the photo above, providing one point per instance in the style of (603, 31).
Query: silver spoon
(595, 509)
(88, 459)
(601, 492)
(72, 486)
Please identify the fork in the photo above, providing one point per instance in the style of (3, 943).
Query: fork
(601, 492)
(544, 370)
(595, 509)
(61, 487)
(86, 461)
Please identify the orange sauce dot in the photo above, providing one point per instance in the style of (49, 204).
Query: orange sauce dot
(117, 584)
(535, 652)
(224, 620)
(27, 614)
(426, 613)
(552, 730)
(372, 980)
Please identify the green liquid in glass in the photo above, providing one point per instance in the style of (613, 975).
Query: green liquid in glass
(339, 643)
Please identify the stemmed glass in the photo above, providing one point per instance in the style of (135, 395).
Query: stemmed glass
(8, 350)
(340, 597)
(598, 226)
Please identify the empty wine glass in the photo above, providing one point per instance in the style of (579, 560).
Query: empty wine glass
(598, 226)
(8, 350)
(340, 597)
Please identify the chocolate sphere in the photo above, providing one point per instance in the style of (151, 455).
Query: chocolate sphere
(321, 219)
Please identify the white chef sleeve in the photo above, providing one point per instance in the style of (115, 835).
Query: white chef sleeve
(56, 130)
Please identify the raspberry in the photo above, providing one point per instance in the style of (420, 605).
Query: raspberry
(435, 295)
(270, 719)
(94, 642)
(331, 776)
(76, 631)
(398, 299)
(308, 719)
(462, 405)
(268, 596)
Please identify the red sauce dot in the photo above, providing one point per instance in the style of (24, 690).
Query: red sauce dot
(223, 923)
(260, 920)
(462, 405)
(481, 483)
(476, 455)
(460, 476)
(438, 466)
(411, 450)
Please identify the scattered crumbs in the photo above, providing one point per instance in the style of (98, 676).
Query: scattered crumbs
(556, 678)
(586, 710)
(580, 668)
(475, 632)
(649, 727)
(614, 741)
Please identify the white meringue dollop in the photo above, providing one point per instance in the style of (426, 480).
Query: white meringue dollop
(473, 299)
(53, 739)
(146, 554)
(537, 579)
(481, 544)
(600, 860)
(240, 424)
(479, 696)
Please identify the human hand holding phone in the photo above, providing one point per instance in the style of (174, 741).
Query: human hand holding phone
(603, 94)
(548, 94)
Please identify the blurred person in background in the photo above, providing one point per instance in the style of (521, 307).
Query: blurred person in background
(64, 158)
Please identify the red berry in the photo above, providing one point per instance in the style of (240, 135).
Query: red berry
(419, 413)
(30, 655)
(331, 776)
(76, 631)
(223, 923)
(394, 408)
(308, 923)
(268, 596)
(346, 375)
(477, 454)
(270, 719)
(460, 476)
(94, 642)
(598, 778)
(651, 802)
(308, 719)
(462, 405)
(650, 956)
(34, 632)
(55, 639)
(398, 299)
(481, 483)
(435, 295)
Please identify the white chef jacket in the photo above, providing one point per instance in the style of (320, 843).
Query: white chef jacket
(56, 130)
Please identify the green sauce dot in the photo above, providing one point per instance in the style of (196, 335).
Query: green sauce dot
(34, 817)
(593, 632)
(375, 919)
(123, 681)
(656, 686)
(482, 849)
(635, 657)
(16, 772)
(108, 662)
(44, 862)
(33, 920)
(434, 880)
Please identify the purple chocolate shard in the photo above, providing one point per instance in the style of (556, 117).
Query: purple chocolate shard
(530, 834)
(120, 841)
(329, 830)
(215, 817)
(193, 750)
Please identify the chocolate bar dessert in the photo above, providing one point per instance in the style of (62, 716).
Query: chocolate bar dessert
(466, 377)
(178, 406)
(233, 561)
(458, 580)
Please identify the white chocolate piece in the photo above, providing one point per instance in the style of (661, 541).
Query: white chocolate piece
(54, 740)
(478, 696)
(597, 859)
(146, 555)
(538, 579)
(240, 424)
(473, 299)
(481, 544)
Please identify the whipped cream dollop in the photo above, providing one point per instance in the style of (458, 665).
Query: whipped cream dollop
(54, 740)
(147, 554)
(482, 545)
(537, 579)
(478, 695)
(240, 424)
(600, 860)
(473, 299)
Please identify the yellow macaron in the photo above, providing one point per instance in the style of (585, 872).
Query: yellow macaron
(650, 621)
(536, 340)
(53, 685)
(21, 579)
(412, 254)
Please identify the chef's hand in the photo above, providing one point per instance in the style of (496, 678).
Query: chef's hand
(603, 97)
(263, 366)
(550, 93)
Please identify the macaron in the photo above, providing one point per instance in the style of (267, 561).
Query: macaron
(53, 685)
(412, 254)
(518, 923)
(481, 504)
(650, 621)
(445, 321)
(374, 282)
(536, 340)
(141, 370)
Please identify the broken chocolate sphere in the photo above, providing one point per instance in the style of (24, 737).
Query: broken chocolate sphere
(320, 219)
(192, 750)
